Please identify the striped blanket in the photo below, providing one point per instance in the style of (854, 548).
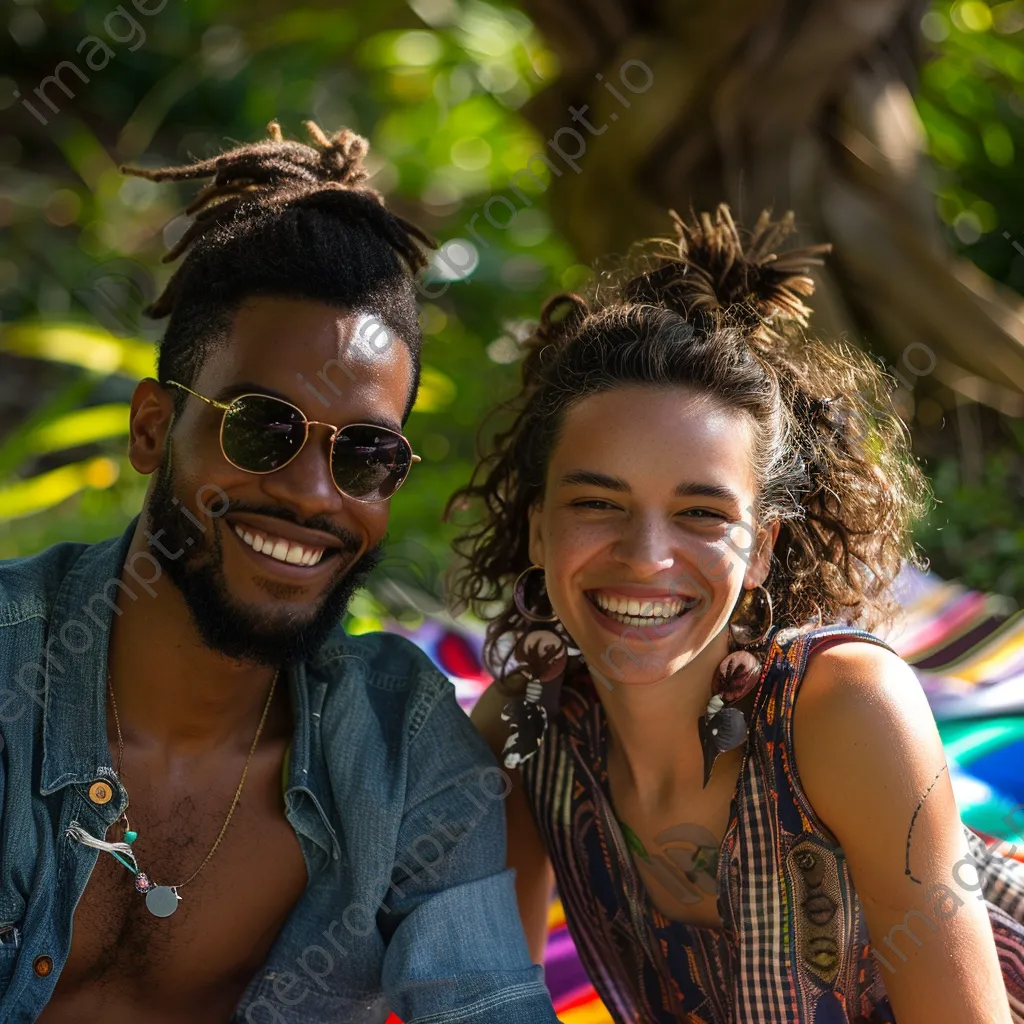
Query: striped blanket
(968, 651)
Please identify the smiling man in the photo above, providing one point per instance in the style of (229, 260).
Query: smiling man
(215, 804)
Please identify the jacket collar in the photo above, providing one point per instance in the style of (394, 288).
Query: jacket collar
(74, 660)
(74, 663)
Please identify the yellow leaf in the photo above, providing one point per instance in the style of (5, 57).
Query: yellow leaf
(27, 497)
(437, 390)
(82, 427)
(80, 345)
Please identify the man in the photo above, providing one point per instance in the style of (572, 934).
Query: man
(216, 805)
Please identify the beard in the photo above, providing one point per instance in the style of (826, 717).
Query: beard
(237, 630)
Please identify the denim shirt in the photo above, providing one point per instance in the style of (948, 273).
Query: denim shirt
(395, 800)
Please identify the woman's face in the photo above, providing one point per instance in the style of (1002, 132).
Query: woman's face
(646, 530)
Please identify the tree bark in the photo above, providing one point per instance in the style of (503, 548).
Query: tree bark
(786, 104)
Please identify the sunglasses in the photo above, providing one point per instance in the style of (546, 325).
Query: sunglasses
(262, 434)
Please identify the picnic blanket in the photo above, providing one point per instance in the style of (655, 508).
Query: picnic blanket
(968, 651)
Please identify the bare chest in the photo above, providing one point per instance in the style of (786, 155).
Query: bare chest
(196, 963)
(676, 850)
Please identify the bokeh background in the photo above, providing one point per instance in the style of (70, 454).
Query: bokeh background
(894, 130)
(532, 140)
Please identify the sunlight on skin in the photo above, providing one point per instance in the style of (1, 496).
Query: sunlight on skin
(646, 536)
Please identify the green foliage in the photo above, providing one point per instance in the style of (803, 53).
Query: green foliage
(438, 98)
(975, 532)
(971, 100)
(437, 87)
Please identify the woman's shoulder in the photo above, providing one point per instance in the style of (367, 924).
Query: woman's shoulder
(846, 670)
(861, 723)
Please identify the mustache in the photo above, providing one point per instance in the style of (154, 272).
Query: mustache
(349, 541)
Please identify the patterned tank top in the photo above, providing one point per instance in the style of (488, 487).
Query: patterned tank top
(794, 946)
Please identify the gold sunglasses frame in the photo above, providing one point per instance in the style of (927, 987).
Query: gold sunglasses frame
(224, 406)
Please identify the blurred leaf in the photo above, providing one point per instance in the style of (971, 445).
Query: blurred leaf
(13, 448)
(87, 347)
(99, 423)
(28, 497)
(437, 390)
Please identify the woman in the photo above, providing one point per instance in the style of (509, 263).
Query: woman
(693, 506)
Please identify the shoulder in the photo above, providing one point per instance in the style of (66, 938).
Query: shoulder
(29, 585)
(864, 736)
(851, 683)
(391, 672)
(383, 660)
(486, 716)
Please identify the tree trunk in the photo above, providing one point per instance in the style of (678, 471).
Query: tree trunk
(787, 104)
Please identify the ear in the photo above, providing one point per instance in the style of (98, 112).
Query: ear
(761, 559)
(536, 544)
(152, 413)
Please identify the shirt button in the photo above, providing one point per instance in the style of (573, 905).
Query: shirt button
(100, 793)
(42, 965)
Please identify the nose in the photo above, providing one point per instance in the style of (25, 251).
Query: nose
(646, 545)
(306, 483)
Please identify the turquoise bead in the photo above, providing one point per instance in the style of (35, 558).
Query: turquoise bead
(130, 837)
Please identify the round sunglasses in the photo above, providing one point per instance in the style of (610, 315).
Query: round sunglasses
(262, 434)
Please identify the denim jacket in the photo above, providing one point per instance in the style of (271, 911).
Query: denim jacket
(395, 800)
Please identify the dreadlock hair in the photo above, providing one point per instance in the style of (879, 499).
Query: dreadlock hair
(287, 220)
(719, 312)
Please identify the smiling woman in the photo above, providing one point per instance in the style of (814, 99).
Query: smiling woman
(703, 509)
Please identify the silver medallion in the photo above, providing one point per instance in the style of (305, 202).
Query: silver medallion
(162, 901)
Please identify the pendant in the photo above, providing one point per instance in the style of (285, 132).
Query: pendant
(162, 900)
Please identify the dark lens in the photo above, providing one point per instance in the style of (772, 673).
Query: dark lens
(262, 433)
(370, 462)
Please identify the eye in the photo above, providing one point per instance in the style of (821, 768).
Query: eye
(594, 503)
(701, 513)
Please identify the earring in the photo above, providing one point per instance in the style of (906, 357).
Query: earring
(754, 623)
(542, 655)
(723, 728)
(527, 591)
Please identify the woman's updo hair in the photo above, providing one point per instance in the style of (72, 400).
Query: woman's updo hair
(720, 311)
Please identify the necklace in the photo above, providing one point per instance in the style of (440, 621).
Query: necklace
(162, 900)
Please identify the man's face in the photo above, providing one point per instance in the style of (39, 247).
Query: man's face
(338, 368)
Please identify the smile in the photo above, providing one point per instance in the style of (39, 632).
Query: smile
(632, 611)
(278, 548)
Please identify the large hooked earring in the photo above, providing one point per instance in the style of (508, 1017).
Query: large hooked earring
(527, 591)
(542, 655)
(723, 728)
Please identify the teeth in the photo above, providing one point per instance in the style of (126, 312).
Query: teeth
(281, 549)
(631, 608)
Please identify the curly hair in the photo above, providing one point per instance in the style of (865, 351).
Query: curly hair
(719, 311)
(288, 220)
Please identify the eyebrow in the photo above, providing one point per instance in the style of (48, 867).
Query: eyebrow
(707, 491)
(588, 477)
(248, 387)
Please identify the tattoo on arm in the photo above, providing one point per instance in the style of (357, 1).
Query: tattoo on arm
(913, 821)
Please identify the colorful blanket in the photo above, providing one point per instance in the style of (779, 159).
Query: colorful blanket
(968, 651)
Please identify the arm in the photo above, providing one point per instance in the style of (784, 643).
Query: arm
(455, 947)
(868, 752)
(535, 876)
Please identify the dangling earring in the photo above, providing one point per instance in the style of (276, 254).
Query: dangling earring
(724, 728)
(542, 654)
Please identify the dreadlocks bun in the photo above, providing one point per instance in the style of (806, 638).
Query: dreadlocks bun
(264, 180)
(713, 273)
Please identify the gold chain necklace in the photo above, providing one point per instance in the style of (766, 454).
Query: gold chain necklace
(162, 900)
